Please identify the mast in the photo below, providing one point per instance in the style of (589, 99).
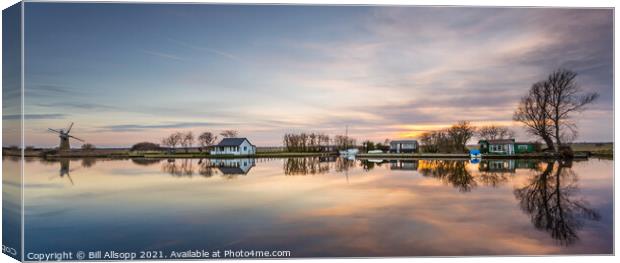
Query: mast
(346, 137)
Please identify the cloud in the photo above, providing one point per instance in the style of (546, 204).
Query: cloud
(163, 55)
(210, 50)
(34, 116)
(140, 127)
(77, 105)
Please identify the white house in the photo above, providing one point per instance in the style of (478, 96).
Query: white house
(234, 146)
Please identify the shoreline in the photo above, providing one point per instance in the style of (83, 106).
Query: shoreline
(197, 155)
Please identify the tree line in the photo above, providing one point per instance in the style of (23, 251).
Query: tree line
(316, 142)
(454, 138)
(185, 140)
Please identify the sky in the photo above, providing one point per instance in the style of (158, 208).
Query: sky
(126, 73)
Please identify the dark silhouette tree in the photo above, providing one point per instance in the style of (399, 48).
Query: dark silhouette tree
(493, 132)
(546, 109)
(206, 140)
(566, 97)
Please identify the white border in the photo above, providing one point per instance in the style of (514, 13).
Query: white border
(552, 3)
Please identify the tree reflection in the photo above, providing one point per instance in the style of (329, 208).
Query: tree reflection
(344, 164)
(549, 200)
(450, 172)
(305, 166)
(179, 167)
(88, 162)
(146, 161)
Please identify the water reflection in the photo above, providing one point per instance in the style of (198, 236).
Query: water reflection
(393, 205)
(229, 168)
(549, 198)
(451, 172)
(307, 166)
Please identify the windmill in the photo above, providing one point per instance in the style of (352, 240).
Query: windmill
(64, 137)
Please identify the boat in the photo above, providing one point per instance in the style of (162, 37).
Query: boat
(349, 152)
(475, 153)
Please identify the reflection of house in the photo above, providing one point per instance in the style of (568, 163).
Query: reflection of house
(505, 146)
(526, 164)
(404, 165)
(234, 166)
(497, 166)
(234, 146)
(404, 146)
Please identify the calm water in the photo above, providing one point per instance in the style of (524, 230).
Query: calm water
(320, 206)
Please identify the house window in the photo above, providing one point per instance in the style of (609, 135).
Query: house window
(245, 148)
(523, 147)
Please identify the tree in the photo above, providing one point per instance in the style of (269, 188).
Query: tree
(460, 133)
(173, 140)
(368, 145)
(533, 112)
(305, 142)
(88, 147)
(344, 142)
(145, 146)
(546, 109)
(566, 97)
(206, 139)
(187, 139)
(493, 132)
(229, 133)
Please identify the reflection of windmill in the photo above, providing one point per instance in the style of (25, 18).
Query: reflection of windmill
(64, 137)
(65, 170)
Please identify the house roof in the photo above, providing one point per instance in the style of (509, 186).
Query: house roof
(232, 141)
(232, 170)
(500, 141)
(525, 142)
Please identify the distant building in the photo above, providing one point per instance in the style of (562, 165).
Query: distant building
(506, 146)
(404, 146)
(234, 146)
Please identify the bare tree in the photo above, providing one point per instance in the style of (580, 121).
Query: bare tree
(546, 110)
(344, 142)
(493, 132)
(88, 147)
(172, 140)
(187, 140)
(533, 113)
(206, 139)
(229, 133)
(460, 133)
(566, 97)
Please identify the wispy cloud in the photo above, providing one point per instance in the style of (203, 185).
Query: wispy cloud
(163, 55)
(77, 105)
(208, 49)
(140, 127)
(34, 116)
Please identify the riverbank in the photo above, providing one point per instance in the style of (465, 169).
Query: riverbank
(463, 156)
(124, 153)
